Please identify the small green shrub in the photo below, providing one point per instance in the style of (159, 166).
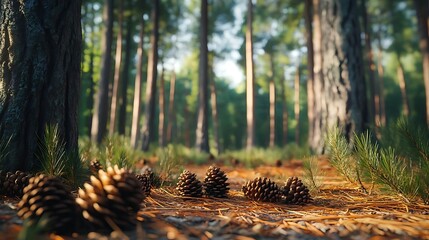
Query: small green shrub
(312, 174)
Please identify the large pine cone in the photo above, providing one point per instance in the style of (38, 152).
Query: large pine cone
(189, 185)
(215, 183)
(49, 198)
(12, 184)
(111, 199)
(262, 189)
(295, 192)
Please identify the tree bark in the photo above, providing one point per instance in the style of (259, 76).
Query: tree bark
(422, 12)
(148, 126)
(403, 86)
(40, 53)
(272, 93)
(161, 132)
(310, 67)
(91, 93)
(138, 88)
(171, 112)
(202, 134)
(250, 82)
(99, 119)
(117, 75)
(297, 105)
(125, 78)
(285, 115)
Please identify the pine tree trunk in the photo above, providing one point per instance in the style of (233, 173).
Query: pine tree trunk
(202, 134)
(117, 75)
(91, 93)
(285, 115)
(310, 66)
(171, 112)
(161, 133)
(380, 71)
(403, 86)
(250, 82)
(297, 109)
(125, 78)
(213, 98)
(272, 93)
(39, 76)
(99, 119)
(422, 12)
(148, 126)
(135, 125)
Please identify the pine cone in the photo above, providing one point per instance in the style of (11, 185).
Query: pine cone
(262, 189)
(215, 184)
(112, 198)
(295, 192)
(189, 185)
(146, 179)
(49, 198)
(95, 166)
(12, 184)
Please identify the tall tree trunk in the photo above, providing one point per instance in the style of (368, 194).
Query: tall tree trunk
(161, 132)
(202, 133)
(403, 86)
(187, 130)
(310, 66)
(125, 78)
(117, 75)
(342, 100)
(250, 81)
(99, 119)
(90, 97)
(171, 112)
(213, 99)
(285, 115)
(272, 93)
(148, 126)
(422, 12)
(297, 105)
(380, 71)
(138, 88)
(40, 76)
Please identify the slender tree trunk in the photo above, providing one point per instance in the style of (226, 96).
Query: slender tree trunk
(99, 119)
(90, 97)
(171, 112)
(117, 75)
(381, 82)
(148, 126)
(403, 86)
(272, 93)
(285, 115)
(422, 12)
(297, 105)
(39, 76)
(125, 78)
(161, 132)
(213, 98)
(310, 66)
(187, 130)
(202, 134)
(138, 88)
(250, 81)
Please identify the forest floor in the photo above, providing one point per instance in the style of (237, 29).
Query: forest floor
(339, 211)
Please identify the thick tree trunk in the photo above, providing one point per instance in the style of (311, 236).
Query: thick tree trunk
(135, 125)
(117, 75)
(250, 82)
(342, 99)
(422, 11)
(297, 109)
(125, 75)
(99, 119)
(403, 86)
(40, 53)
(148, 126)
(202, 133)
(310, 66)
(161, 132)
(171, 112)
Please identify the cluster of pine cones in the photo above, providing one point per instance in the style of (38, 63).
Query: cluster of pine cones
(214, 185)
(265, 190)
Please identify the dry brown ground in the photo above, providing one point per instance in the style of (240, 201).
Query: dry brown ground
(339, 211)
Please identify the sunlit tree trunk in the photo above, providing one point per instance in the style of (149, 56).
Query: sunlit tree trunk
(380, 71)
(310, 66)
(422, 12)
(250, 82)
(285, 115)
(403, 86)
(161, 132)
(187, 130)
(171, 112)
(202, 134)
(99, 119)
(39, 76)
(272, 93)
(297, 109)
(213, 98)
(148, 125)
(117, 75)
(125, 78)
(138, 88)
